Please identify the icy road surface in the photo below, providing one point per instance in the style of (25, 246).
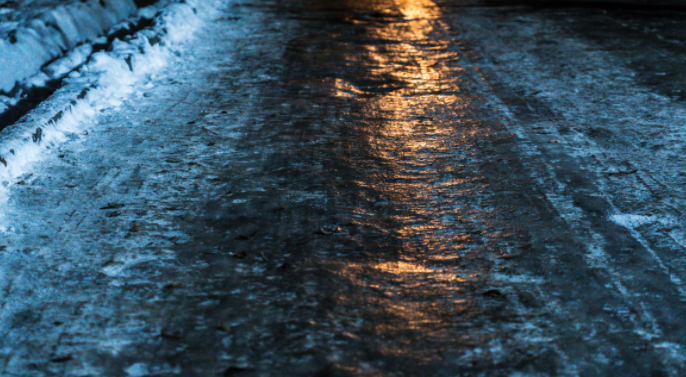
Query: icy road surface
(356, 188)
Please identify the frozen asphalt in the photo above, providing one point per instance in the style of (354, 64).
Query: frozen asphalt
(368, 188)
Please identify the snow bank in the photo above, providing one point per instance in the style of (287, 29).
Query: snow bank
(102, 83)
(40, 39)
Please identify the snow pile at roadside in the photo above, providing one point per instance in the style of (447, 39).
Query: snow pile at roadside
(40, 39)
(103, 82)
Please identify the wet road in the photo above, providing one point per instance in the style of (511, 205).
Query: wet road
(369, 188)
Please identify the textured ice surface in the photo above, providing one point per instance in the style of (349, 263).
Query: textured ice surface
(31, 40)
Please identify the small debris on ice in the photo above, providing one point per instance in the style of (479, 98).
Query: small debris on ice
(113, 206)
(62, 359)
(622, 173)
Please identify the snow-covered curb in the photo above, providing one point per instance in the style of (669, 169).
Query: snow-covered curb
(37, 41)
(104, 82)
